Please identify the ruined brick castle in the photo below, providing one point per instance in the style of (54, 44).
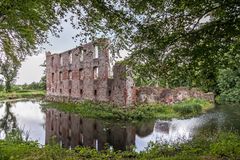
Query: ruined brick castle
(85, 73)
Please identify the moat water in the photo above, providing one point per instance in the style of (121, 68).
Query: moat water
(70, 130)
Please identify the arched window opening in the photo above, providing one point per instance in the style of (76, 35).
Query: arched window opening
(52, 61)
(60, 76)
(70, 75)
(52, 77)
(61, 60)
(70, 58)
(81, 74)
(95, 72)
(81, 55)
(96, 52)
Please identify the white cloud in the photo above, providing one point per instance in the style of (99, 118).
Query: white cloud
(31, 71)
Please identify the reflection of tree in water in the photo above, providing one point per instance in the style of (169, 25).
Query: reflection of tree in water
(224, 118)
(8, 122)
(144, 129)
(231, 113)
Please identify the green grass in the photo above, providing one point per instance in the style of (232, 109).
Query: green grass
(219, 146)
(141, 112)
(21, 94)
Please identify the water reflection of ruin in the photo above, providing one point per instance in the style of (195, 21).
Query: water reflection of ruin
(70, 131)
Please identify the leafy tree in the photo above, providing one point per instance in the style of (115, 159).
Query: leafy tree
(229, 85)
(175, 42)
(42, 83)
(9, 70)
(43, 80)
(1, 85)
(182, 40)
(25, 25)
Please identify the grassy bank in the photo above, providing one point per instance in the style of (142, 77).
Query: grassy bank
(219, 146)
(141, 112)
(21, 94)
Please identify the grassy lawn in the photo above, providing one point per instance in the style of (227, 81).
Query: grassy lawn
(21, 94)
(141, 112)
(220, 146)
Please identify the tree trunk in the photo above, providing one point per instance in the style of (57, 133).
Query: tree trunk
(8, 86)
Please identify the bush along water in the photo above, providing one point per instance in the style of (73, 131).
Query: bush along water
(141, 112)
(188, 109)
(229, 86)
(21, 94)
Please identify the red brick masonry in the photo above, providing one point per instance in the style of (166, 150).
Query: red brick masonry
(85, 73)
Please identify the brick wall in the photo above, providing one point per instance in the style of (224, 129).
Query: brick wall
(82, 73)
(170, 96)
(123, 87)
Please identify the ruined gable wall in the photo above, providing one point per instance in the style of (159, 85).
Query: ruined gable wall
(123, 87)
(51, 71)
(96, 89)
(67, 65)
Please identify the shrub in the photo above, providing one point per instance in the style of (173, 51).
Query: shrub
(229, 85)
(222, 145)
(227, 145)
(1, 87)
(188, 108)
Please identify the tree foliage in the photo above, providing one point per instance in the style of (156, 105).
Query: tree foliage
(184, 41)
(174, 42)
(24, 25)
(229, 85)
(1, 85)
(9, 70)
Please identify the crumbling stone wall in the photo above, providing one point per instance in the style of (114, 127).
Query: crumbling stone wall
(170, 96)
(121, 78)
(83, 73)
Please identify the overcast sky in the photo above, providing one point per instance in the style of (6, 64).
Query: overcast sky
(31, 70)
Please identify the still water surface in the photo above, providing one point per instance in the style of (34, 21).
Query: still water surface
(70, 130)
